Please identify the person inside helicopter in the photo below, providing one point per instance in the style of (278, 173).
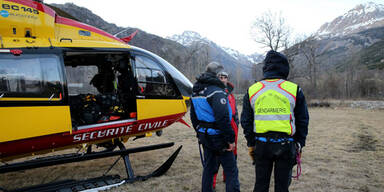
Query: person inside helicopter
(103, 81)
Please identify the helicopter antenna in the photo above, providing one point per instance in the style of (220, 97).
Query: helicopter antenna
(122, 31)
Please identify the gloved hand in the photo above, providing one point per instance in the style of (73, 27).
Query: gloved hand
(231, 147)
(251, 152)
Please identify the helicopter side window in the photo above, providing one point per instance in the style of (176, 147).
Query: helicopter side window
(30, 76)
(151, 78)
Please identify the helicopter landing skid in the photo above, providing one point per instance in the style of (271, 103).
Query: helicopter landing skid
(158, 172)
(105, 181)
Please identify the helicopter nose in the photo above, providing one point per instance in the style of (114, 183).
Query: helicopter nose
(186, 88)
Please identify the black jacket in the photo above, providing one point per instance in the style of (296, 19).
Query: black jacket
(300, 112)
(209, 84)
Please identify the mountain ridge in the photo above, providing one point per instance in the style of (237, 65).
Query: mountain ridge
(361, 17)
(187, 38)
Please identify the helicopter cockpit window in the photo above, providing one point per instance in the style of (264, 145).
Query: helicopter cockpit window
(31, 77)
(151, 78)
(158, 77)
(143, 75)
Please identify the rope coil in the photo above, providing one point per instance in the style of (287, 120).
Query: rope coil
(298, 169)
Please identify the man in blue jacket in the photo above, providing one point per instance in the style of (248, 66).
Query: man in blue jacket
(275, 122)
(211, 118)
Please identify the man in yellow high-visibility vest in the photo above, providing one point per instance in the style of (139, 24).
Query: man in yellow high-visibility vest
(275, 122)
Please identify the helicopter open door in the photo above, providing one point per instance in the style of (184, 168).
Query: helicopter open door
(101, 87)
(114, 86)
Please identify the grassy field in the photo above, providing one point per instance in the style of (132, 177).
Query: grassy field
(344, 152)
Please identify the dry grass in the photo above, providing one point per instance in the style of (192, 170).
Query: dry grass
(344, 152)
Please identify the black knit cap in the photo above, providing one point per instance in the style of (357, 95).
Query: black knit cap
(275, 65)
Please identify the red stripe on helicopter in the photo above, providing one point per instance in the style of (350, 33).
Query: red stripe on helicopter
(33, 4)
(66, 21)
(49, 142)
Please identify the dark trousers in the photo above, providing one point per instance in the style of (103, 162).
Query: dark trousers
(227, 160)
(281, 157)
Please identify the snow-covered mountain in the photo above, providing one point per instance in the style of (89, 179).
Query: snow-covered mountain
(360, 18)
(187, 38)
(254, 58)
(355, 37)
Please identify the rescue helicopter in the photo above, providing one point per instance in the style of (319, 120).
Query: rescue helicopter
(65, 84)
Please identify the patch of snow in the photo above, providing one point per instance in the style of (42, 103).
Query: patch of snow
(187, 38)
(360, 25)
(233, 53)
(370, 9)
(323, 33)
(250, 59)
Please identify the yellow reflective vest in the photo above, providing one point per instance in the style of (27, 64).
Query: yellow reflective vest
(273, 102)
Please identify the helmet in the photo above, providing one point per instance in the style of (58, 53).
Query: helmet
(214, 67)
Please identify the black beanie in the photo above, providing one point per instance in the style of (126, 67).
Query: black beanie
(275, 65)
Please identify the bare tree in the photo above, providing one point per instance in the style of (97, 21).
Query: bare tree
(204, 57)
(309, 48)
(290, 54)
(197, 58)
(239, 73)
(291, 50)
(271, 30)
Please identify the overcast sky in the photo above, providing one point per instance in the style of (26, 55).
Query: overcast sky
(226, 22)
